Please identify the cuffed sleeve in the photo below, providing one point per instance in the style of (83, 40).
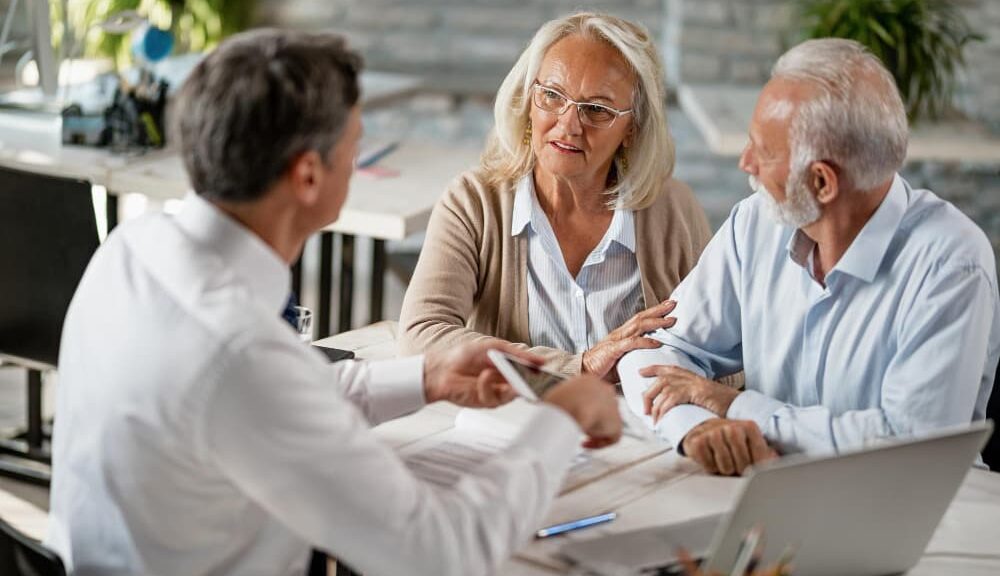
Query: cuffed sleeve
(676, 423)
(752, 405)
(396, 387)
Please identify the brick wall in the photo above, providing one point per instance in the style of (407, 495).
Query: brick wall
(465, 45)
(468, 45)
(980, 92)
(737, 41)
(720, 41)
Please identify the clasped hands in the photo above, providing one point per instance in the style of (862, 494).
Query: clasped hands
(720, 445)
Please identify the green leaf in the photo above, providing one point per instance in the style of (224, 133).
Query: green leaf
(921, 42)
(196, 24)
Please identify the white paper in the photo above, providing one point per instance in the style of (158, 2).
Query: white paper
(478, 435)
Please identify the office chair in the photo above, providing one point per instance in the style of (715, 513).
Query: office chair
(991, 453)
(48, 233)
(24, 556)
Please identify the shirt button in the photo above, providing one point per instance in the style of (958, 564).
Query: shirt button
(579, 293)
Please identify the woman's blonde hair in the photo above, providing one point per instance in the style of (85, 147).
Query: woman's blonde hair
(651, 155)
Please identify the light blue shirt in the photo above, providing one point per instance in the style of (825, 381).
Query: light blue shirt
(568, 313)
(903, 339)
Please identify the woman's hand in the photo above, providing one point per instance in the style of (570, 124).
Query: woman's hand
(603, 357)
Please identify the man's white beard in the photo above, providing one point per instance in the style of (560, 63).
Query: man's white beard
(799, 209)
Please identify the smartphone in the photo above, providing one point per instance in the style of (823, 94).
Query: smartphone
(335, 354)
(532, 383)
(527, 380)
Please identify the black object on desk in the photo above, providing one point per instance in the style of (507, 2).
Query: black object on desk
(335, 354)
(21, 555)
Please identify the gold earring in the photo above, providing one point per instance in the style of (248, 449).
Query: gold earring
(623, 161)
(527, 135)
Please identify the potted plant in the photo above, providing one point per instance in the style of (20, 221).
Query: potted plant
(196, 25)
(921, 42)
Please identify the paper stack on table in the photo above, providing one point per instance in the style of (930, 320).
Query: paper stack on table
(442, 458)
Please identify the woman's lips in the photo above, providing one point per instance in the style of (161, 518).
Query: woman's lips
(564, 148)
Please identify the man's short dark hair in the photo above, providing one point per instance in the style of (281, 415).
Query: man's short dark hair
(257, 102)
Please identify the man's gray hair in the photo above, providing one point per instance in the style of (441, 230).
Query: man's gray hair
(856, 121)
(257, 102)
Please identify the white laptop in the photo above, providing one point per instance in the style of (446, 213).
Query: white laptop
(866, 512)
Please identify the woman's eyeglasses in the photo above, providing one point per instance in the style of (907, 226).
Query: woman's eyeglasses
(590, 113)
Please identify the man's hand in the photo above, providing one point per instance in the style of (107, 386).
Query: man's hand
(465, 375)
(675, 385)
(592, 403)
(727, 447)
(602, 359)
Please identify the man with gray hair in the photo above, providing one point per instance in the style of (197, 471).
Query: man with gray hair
(198, 435)
(858, 307)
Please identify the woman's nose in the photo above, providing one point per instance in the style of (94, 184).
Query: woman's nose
(570, 120)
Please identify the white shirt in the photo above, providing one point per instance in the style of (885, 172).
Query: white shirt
(197, 435)
(902, 340)
(575, 313)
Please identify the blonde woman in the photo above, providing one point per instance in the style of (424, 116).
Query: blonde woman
(571, 235)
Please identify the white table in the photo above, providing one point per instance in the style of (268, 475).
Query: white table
(33, 141)
(671, 488)
(383, 207)
(967, 542)
(378, 207)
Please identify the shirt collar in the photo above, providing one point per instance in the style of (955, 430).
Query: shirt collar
(799, 247)
(521, 216)
(254, 261)
(527, 211)
(865, 254)
(622, 229)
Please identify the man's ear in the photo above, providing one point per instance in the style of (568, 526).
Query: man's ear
(305, 175)
(824, 182)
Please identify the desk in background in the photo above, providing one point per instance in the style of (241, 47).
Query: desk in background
(33, 141)
(672, 489)
(386, 208)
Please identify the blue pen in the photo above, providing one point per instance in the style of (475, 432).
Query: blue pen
(377, 155)
(575, 525)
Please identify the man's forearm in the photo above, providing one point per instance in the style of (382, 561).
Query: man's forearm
(676, 423)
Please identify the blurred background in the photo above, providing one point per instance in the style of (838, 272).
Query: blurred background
(717, 54)
(451, 56)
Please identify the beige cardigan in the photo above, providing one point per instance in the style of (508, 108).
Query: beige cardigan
(470, 282)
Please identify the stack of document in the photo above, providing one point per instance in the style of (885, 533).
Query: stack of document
(478, 435)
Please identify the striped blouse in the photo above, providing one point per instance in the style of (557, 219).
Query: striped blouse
(568, 313)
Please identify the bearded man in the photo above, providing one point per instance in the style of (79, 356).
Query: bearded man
(858, 307)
